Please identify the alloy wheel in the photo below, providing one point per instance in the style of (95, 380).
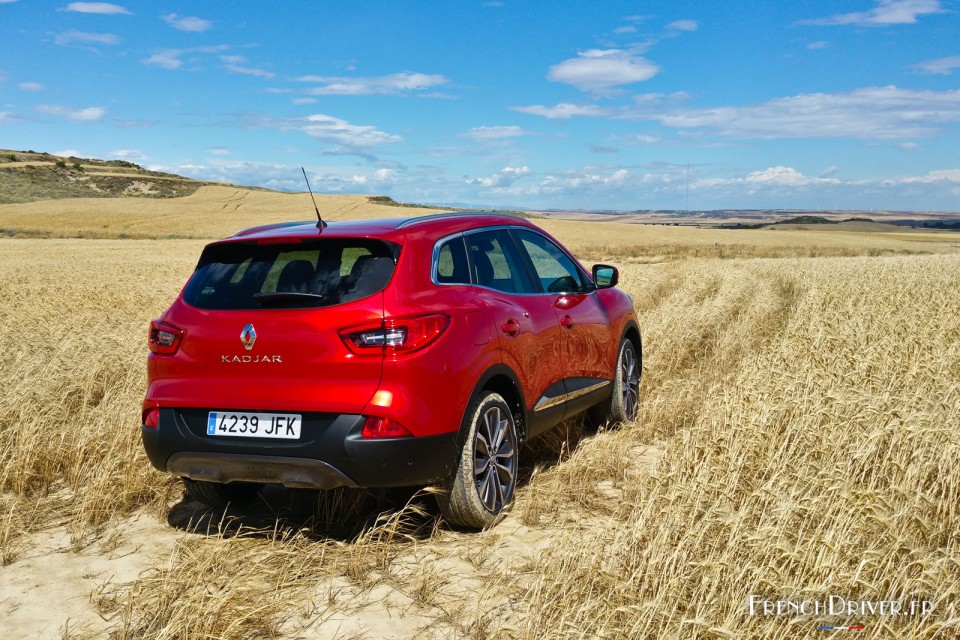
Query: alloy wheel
(495, 459)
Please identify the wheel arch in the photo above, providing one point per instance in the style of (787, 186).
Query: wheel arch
(631, 332)
(502, 380)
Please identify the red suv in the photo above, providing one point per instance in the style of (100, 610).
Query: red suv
(383, 353)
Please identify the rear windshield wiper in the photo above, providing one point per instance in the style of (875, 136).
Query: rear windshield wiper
(284, 296)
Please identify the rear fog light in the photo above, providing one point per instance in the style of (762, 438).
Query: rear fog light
(376, 427)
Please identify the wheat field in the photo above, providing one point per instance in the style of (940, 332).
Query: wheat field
(799, 436)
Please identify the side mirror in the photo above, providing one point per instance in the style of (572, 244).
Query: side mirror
(605, 276)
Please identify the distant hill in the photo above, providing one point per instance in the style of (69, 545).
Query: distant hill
(28, 176)
(807, 220)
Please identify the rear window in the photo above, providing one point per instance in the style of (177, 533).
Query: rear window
(308, 274)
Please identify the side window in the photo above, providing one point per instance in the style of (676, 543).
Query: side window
(554, 268)
(452, 266)
(495, 263)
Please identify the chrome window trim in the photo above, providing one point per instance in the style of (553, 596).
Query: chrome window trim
(435, 262)
(435, 257)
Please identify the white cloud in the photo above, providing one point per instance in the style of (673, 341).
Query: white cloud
(829, 171)
(103, 8)
(128, 154)
(779, 180)
(249, 71)
(304, 101)
(625, 30)
(437, 95)
(173, 58)
(69, 153)
(598, 148)
(6, 116)
(168, 59)
(586, 179)
(493, 134)
(503, 178)
(819, 44)
(128, 123)
(940, 66)
(233, 64)
(933, 177)
(219, 151)
(887, 12)
(683, 25)
(876, 113)
(7, 1)
(30, 86)
(564, 111)
(379, 85)
(187, 23)
(343, 134)
(69, 37)
(871, 113)
(785, 176)
(385, 175)
(601, 71)
(333, 179)
(90, 114)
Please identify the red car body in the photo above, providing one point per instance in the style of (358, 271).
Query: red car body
(383, 382)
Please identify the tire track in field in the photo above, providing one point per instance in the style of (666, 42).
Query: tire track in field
(716, 318)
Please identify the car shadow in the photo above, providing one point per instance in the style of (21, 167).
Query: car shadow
(349, 515)
(549, 449)
(345, 515)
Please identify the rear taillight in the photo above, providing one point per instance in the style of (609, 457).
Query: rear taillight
(376, 427)
(395, 335)
(164, 338)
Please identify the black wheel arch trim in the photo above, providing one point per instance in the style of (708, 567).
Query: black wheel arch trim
(624, 334)
(519, 417)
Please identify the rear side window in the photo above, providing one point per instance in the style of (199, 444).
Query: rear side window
(495, 262)
(452, 266)
(309, 274)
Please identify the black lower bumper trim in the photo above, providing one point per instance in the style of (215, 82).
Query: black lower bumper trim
(297, 473)
(331, 452)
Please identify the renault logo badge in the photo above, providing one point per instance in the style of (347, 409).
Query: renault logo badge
(248, 337)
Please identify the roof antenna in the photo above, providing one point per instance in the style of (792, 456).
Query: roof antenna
(320, 223)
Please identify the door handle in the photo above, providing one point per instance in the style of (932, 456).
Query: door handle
(567, 321)
(511, 327)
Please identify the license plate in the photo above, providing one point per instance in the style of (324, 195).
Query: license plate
(285, 426)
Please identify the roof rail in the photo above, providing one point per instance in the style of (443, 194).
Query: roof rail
(453, 214)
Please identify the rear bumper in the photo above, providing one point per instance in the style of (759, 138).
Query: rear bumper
(330, 453)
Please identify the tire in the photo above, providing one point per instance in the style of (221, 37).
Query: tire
(482, 488)
(624, 401)
(220, 495)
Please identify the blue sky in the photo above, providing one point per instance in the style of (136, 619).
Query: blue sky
(849, 104)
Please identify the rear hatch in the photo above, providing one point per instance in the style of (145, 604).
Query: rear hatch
(264, 325)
